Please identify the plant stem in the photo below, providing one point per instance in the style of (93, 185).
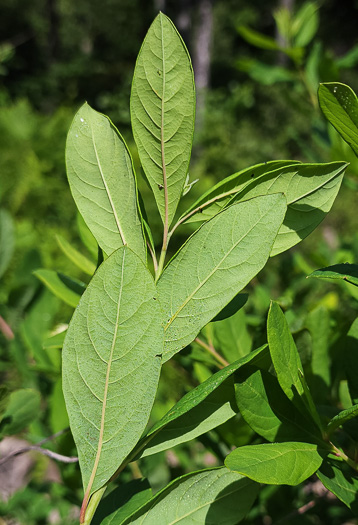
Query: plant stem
(154, 259)
(92, 506)
(210, 348)
(339, 453)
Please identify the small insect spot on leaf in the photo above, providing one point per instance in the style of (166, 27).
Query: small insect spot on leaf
(159, 72)
(201, 210)
(160, 186)
(252, 175)
(154, 298)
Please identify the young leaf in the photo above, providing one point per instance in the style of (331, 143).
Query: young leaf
(341, 480)
(209, 496)
(342, 418)
(22, 408)
(340, 107)
(345, 271)
(276, 463)
(205, 407)
(101, 178)
(111, 363)
(162, 111)
(6, 240)
(76, 257)
(66, 288)
(267, 410)
(217, 261)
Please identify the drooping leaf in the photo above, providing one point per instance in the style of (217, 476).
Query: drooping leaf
(76, 257)
(162, 112)
(205, 407)
(122, 502)
(276, 463)
(211, 496)
(341, 418)
(217, 261)
(232, 307)
(7, 239)
(268, 411)
(65, 288)
(341, 480)
(345, 271)
(111, 363)
(22, 407)
(102, 182)
(232, 336)
(340, 107)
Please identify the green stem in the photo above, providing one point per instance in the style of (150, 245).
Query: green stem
(337, 452)
(161, 263)
(92, 505)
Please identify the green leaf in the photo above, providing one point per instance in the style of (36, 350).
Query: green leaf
(305, 24)
(111, 364)
(102, 182)
(340, 107)
(345, 271)
(7, 239)
(232, 336)
(232, 307)
(319, 378)
(76, 257)
(258, 39)
(122, 502)
(341, 418)
(58, 416)
(350, 359)
(23, 407)
(218, 261)
(65, 288)
(86, 236)
(276, 463)
(55, 341)
(267, 410)
(205, 407)
(162, 112)
(341, 480)
(211, 496)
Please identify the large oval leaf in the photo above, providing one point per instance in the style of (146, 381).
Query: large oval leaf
(210, 497)
(101, 178)
(111, 363)
(162, 110)
(214, 265)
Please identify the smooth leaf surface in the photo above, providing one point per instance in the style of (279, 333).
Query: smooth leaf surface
(111, 363)
(345, 271)
(210, 497)
(268, 411)
(275, 463)
(232, 307)
(102, 182)
(76, 257)
(340, 107)
(22, 407)
(318, 324)
(341, 418)
(232, 336)
(66, 288)
(205, 407)
(7, 240)
(341, 480)
(162, 112)
(351, 360)
(218, 261)
(55, 341)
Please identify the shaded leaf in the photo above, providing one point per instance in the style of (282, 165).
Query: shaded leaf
(55, 341)
(232, 336)
(102, 182)
(351, 360)
(210, 496)
(341, 418)
(65, 288)
(345, 271)
(75, 256)
(7, 239)
(340, 107)
(86, 236)
(257, 39)
(111, 363)
(341, 480)
(306, 24)
(22, 407)
(234, 305)
(276, 463)
(162, 112)
(218, 261)
(319, 378)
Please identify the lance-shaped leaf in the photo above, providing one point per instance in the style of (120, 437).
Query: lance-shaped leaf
(75, 256)
(22, 407)
(344, 272)
(341, 480)
(342, 418)
(276, 463)
(210, 496)
(214, 265)
(111, 363)
(66, 288)
(205, 407)
(7, 238)
(102, 182)
(339, 104)
(162, 111)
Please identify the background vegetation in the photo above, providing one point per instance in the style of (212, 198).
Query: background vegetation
(256, 102)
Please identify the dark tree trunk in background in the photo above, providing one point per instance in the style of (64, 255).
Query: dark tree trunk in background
(280, 39)
(202, 55)
(53, 35)
(183, 19)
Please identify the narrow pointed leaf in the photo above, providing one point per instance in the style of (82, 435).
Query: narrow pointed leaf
(342, 418)
(205, 407)
(102, 182)
(218, 261)
(65, 288)
(341, 480)
(210, 496)
(345, 271)
(7, 238)
(111, 363)
(339, 104)
(76, 257)
(55, 341)
(276, 463)
(22, 407)
(162, 111)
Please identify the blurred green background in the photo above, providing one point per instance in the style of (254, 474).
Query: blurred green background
(257, 66)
